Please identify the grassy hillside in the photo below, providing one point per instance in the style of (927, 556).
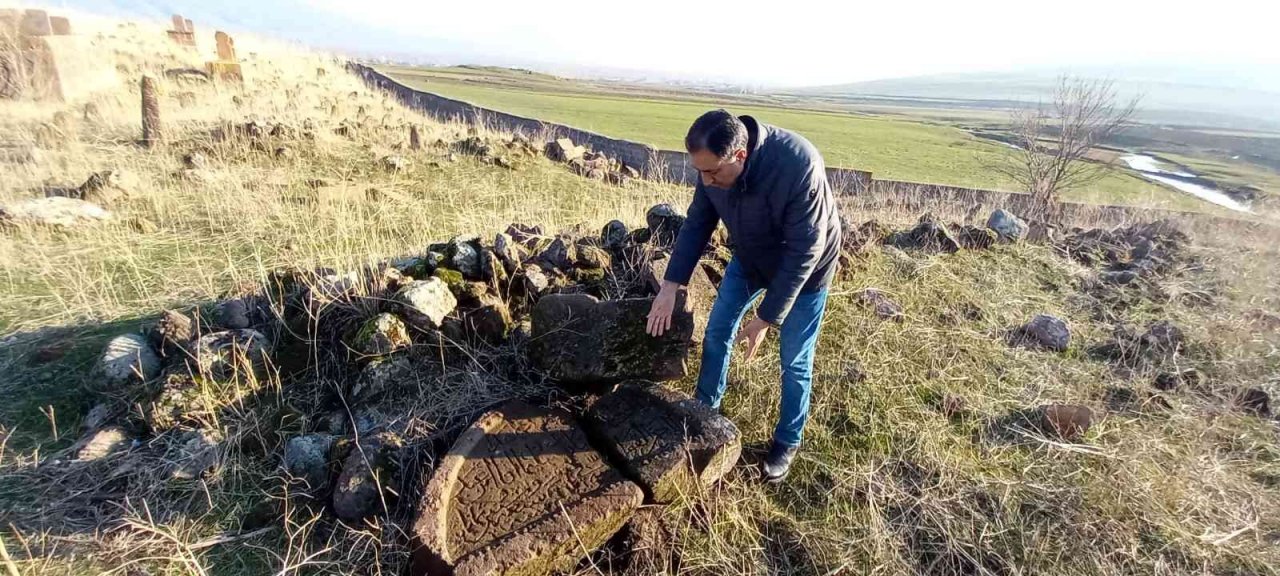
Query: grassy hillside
(914, 462)
(892, 148)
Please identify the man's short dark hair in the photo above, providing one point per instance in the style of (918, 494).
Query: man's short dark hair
(718, 132)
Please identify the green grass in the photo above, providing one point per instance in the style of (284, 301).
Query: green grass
(891, 148)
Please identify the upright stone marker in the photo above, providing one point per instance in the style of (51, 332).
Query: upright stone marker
(520, 492)
(152, 132)
(667, 440)
(226, 47)
(36, 23)
(183, 33)
(227, 67)
(60, 26)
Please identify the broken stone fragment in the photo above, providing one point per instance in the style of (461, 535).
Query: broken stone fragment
(664, 224)
(231, 354)
(579, 339)
(1066, 421)
(561, 254)
(367, 479)
(668, 441)
(884, 306)
(927, 236)
(425, 303)
(491, 321)
(101, 443)
(56, 211)
(593, 257)
(1044, 332)
(232, 314)
(382, 335)
(463, 254)
(198, 452)
(522, 491)
(128, 358)
(1255, 401)
(108, 187)
(1170, 381)
(613, 235)
(974, 238)
(171, 333)
(563, 150)
(1010, 228)
(307, 458)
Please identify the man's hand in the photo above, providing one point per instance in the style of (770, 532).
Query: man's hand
(753, 334)
(663, 306)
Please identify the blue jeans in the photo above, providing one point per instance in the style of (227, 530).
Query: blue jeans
(799, 336)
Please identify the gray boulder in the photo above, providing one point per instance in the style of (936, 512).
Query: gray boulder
(128, 358)
(1009, 227)
(307, 458)
(614, 235)
(231, 354)
(425, 303)
(382, 335)
(463, 254)
(368, 476)
(664, 223)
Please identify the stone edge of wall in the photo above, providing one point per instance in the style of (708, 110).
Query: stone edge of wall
(857, 188)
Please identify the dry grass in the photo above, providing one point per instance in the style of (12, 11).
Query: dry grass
(887, 483)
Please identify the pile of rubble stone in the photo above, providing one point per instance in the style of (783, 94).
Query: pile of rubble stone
(590, 164)
(527, 486)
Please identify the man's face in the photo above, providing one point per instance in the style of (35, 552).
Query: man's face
(718, 172)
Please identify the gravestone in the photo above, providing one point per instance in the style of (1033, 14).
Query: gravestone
(580, 340)
(227, 67)
(35, 23)
(60, 26)
(152, 132)
(666, 440)
(226, 47)
(183, 32)
(521, 491)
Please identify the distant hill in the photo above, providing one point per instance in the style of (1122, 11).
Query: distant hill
(1229, 98)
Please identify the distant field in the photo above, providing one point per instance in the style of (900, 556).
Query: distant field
(892, 148)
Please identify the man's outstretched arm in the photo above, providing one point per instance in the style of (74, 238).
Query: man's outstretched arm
(699, 224)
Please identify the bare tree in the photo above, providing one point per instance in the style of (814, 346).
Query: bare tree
(1054, 141)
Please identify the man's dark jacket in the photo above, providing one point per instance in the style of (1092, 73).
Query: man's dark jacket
(781, 216)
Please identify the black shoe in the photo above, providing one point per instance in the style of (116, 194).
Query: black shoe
(777, 463)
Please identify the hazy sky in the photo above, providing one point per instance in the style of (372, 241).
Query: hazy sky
(812, 42)
(782, 42)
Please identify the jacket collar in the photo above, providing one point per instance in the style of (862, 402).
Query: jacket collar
(756, 134)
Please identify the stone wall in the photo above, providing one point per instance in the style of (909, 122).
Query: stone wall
(857, 189)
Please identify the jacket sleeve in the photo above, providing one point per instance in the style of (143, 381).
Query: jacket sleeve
(806, 239)
(699, 223)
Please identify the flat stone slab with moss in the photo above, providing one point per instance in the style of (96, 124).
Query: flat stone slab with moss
(520, 492)
(581, 340)
(665, 439)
